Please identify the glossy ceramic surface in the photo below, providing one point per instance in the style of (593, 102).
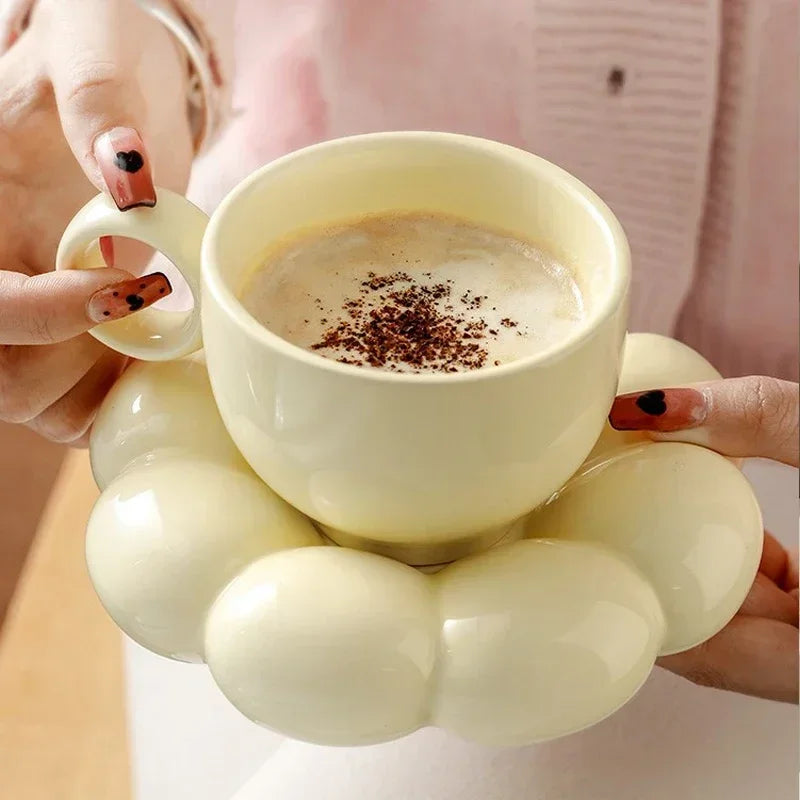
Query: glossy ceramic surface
(421, 462)
(176, 229)
(693, 529)
(649, 549)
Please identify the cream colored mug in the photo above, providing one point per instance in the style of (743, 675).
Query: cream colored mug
(427, 466)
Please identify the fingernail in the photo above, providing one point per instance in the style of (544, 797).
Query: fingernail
(659, 410)
(124, 298)
(107, 250)
(123, 162)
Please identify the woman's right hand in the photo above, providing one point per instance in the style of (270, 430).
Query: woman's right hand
(757, 652)
(80, 91)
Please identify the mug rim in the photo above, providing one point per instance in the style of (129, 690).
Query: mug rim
(214, 282)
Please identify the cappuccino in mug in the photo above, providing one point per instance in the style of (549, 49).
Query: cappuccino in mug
(414, 292)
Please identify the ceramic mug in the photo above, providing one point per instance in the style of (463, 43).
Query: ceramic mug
(423, 466)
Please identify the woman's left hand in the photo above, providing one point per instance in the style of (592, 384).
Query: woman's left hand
(757, 652)
(81, 90)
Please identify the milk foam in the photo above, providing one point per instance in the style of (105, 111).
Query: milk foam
(528, 300)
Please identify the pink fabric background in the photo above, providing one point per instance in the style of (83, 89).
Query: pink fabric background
(696, 153)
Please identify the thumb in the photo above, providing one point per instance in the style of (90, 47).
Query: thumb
(92, 62)
(739, 417)
(56, 306)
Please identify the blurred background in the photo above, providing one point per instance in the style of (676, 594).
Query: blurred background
(28, 468)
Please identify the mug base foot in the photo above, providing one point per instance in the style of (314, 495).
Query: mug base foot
(431, 556)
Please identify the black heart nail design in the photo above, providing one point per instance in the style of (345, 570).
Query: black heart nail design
(134, 301)
(130, 161)
(652, 403)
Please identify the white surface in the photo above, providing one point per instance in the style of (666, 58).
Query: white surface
(673, 741)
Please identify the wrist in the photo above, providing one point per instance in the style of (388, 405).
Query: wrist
(206, 89)
(204, 83)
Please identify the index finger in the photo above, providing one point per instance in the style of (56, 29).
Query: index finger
(56, 306)
(92, 62)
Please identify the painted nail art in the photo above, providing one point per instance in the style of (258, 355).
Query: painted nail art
(125, 167)
(124, 298)
(659, 410)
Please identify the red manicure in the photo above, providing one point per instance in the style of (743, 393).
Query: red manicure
(662, 410)
(124, 298)
(125, 167)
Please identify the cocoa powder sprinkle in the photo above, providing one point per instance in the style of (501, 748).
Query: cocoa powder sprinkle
(414, 325)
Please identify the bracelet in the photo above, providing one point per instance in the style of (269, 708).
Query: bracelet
(205, 83)
(206, 96)
(14, 17)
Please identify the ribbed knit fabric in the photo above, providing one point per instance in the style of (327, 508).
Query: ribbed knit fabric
(743, 308)
(626, 100)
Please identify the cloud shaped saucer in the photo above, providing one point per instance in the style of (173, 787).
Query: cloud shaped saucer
(649, 549)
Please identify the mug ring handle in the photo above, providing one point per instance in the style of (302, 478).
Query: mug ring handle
(175, 227)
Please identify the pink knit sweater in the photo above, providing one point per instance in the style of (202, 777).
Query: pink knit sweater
(681, 114)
